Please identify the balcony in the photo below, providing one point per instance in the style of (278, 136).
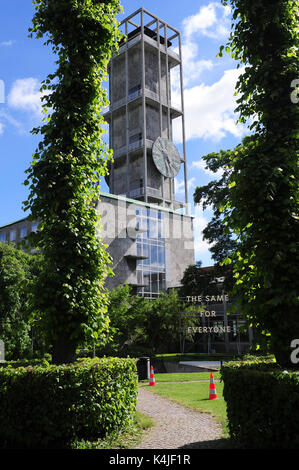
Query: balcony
(150, 96)
(132, 254)
(152, 192)
(151, 39)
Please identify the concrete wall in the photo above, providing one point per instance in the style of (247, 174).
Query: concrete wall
(118, 231)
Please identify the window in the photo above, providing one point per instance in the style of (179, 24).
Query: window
(151, 244)
(34, 227)
(23, 232)
(12, 235)
(2, 237)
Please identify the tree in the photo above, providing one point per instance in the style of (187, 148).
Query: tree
(262, 202)
(127, 314)
(18, 271)
(215, 194)
(147, 326)
(197, 280)
(221, 237)
(65, 171)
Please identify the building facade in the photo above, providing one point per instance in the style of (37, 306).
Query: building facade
(150, 245)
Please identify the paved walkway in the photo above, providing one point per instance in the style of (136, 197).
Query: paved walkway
(176, 427)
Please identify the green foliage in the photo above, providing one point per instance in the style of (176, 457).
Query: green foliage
(262, 201)
(196, 281)
(214, 195)
(51, 406)
(262, 404)
(127, 314)
(18, 272)
(65, 171)
(142, 326)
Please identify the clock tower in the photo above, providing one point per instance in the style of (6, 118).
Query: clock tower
(142, 114)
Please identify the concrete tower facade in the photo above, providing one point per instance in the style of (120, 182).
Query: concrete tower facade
(141, 112)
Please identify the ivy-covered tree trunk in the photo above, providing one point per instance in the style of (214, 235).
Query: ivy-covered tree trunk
(65, 171)
(262, 202)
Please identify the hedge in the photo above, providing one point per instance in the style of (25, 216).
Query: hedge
(262, 404)
(49, 406)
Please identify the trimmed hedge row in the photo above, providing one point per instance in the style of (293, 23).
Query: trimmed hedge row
(262, 404)
(50, 406)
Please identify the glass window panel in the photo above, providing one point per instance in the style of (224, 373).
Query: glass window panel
(160, 229)
(23, 232)
(162, 284)
(139, 249)
(146, 278)
(154, 279)
(139, 277)
(34, 227)
(12, 235)
(139, 291)
(146, 281)
(152, 214)
(161, 256)
(153, 229)
(154, 254)
(2, 237)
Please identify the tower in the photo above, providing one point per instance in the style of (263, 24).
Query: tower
(141, 113)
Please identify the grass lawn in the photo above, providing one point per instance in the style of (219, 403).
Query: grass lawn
(182, 377)
(194, 395)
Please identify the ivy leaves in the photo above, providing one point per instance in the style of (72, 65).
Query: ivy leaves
(262, 200)
(64, 174)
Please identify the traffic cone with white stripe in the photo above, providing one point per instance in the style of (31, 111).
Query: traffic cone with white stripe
(152, 378)
(213, 393)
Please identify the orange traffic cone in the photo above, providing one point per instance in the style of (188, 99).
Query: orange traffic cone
(152, 378)
(213, 393)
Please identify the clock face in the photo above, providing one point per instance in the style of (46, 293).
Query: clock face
(166, 157)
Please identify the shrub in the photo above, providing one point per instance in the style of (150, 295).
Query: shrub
(262, 404)
(27, 362)
(18, 274)
(48, 406)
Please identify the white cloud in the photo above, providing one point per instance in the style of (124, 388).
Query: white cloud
(179, 186)
(212, 20)
(6, 117)
(7, 43)
(201, 165)
(193, 68)
(209, 110)
(25, 95)
(201, 246)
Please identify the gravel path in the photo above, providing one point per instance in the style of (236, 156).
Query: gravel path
(176, 426)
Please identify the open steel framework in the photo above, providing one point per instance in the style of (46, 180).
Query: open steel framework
(149, 27)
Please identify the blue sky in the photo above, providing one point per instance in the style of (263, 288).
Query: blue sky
(209, 85)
